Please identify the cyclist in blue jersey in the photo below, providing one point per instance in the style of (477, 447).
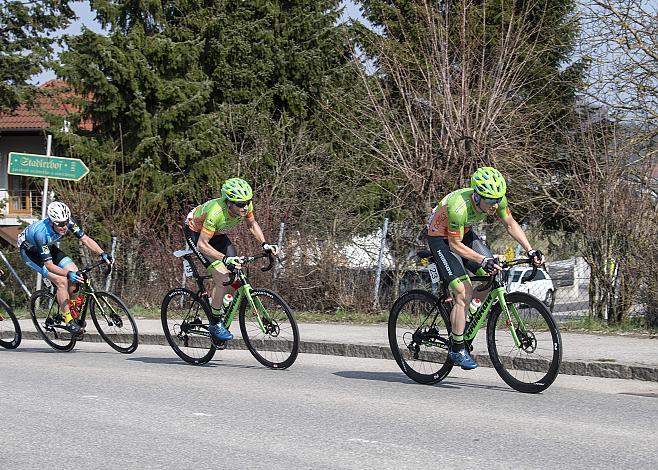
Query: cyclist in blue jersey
(39, 251)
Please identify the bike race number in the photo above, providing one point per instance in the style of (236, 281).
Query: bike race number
(188, 269)
(434, 273)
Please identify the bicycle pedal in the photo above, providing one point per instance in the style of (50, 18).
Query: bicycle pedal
(219, 345)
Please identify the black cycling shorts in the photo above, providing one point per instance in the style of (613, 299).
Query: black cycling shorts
(452, 266)
(220, 242)
(32, 258)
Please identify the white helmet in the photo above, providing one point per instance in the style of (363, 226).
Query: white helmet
(58, 212)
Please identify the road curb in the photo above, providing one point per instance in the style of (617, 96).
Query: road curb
(583, 368)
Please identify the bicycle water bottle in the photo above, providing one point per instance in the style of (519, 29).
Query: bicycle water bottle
(226, 301)
(75, 306)
(474, 307)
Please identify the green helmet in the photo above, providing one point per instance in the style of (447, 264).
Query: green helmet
(237, 190)
(488, 182)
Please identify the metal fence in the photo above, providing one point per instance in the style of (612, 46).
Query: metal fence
(366, 272)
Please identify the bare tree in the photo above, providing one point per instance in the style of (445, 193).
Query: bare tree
(449, 95)
(620, 37)
(448, 92)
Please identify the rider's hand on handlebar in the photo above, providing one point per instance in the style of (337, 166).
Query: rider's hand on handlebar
(268, 248)
(490, 265)
(75, 277)
(107, 258)
(537, 257)
(232, 262)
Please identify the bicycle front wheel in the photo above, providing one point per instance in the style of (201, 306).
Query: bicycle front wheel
(49, 321)
(185, 324)
(10, 330)
(274, 340)
(418, 333)
(532, 366)
(113, 321)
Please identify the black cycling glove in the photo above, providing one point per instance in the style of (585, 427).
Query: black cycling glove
(489, 264)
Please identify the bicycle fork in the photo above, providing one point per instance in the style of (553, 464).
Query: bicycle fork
(509, 321)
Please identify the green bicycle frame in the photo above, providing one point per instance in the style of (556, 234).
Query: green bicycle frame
(478, 319)
(244, 292)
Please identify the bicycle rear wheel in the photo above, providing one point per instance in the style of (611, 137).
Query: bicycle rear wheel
(10, 330)
(418, 333)
(276, 344)
(532, 367)
(113, 321)
(185, 324)
(49, 321)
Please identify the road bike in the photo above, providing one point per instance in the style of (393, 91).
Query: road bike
(10, 330)
(110, 315)
(523, 339)
(267, 325)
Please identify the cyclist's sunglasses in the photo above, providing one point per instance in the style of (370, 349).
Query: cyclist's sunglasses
(61, 224)
(241, 205)
(491, 202)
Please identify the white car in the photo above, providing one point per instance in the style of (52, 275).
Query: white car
(541, 285)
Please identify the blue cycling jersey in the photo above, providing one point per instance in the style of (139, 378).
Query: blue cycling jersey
(40, 236)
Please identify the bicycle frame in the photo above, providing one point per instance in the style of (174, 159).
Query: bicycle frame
(86, 289)
(241, 293)
(244, 292)
(497, 294)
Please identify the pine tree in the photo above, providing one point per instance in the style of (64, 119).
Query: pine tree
(185, 93)
(26, 45)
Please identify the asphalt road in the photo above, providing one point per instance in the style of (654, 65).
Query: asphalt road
(95, 408)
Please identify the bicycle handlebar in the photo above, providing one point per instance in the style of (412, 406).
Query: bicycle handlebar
(249, 259)
(95, 265)
(489, 279)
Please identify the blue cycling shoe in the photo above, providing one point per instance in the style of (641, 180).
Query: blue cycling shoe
(74, 328)
(220, 333)
(463, 359)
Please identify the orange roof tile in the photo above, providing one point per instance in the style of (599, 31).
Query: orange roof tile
(24, 118)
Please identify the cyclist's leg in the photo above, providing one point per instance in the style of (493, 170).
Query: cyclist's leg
(219, 272)
(474, 242)
(34, 261)
(452, 271)
(215, 267)
(66, 263)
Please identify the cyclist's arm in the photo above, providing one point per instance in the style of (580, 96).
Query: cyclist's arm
(516, 232)
(91, 244)
(204, 246)
(255, 229)
(53, 268)
(458, 247)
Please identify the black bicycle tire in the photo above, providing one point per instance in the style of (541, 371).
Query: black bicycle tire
(172, 343)
(554, 366)
(92, 311)
(251, 346)
(17, 328)
(416, 294)
(33, 298)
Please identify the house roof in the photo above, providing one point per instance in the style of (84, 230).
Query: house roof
(32, 118)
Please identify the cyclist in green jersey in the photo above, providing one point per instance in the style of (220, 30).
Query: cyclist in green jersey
(456, 247)
(205, 232)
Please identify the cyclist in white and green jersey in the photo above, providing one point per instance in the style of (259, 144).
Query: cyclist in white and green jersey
(205, 232)
(456, 247)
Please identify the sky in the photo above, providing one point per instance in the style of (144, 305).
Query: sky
(87, 18)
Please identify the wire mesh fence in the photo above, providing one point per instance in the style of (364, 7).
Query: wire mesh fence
(368, 272)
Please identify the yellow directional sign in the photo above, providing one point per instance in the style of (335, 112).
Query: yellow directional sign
(27, 164)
